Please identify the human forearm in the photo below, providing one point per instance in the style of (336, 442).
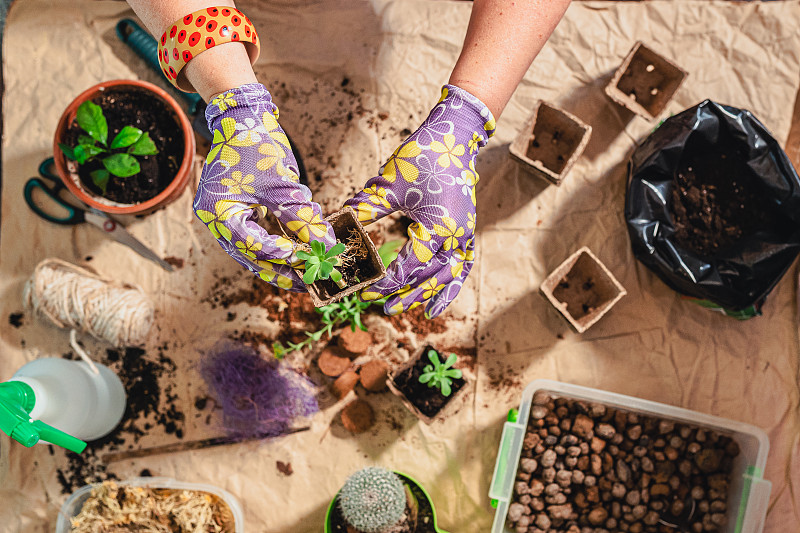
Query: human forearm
(503, 38)
(220, 68)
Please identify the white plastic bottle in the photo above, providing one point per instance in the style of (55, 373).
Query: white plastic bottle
(72, 398)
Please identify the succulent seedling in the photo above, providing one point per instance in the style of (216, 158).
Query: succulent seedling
(438, 374)
(118, 158)
(321, 264)
(373, 500)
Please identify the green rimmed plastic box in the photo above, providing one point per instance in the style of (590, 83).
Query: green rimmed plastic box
(748, 498)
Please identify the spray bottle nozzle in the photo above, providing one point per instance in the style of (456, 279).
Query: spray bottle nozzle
(16, 401)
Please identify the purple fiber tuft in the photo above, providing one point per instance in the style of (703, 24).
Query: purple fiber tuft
(257, 396)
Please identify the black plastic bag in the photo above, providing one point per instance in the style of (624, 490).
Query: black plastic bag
(741, 274)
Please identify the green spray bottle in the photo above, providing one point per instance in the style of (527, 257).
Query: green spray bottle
(61, 402)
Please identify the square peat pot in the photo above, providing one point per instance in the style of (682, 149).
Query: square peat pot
(550, 142)
(582, 289)
(370, 268)
(645, 82)
(404, 383)
(747, 493)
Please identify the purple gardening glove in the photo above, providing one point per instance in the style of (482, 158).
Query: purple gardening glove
(249, 172)
(431, 178)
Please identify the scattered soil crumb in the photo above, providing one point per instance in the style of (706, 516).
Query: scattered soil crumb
(284, 468)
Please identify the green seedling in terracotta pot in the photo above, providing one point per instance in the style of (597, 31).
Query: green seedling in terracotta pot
(118, 158)
(440, 375)
(321, 264)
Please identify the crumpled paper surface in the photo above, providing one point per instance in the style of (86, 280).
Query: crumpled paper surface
(350, 77)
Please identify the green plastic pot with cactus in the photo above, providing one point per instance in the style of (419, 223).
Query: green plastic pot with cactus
(377, 500)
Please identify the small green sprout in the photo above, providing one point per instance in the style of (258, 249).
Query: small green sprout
(321, 264)
(130, 140)
(346, 312)
(438, 374)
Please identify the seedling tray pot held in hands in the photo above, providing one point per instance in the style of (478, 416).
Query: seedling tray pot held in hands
(325, 292)
(748, 493)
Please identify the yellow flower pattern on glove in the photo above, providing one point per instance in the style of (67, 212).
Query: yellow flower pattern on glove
(399, 163)
(309, 221)
(457, 260)
(377, 195)
(419, 235)
(431, 288)
(224, 101)
(249, 247)
(450, 231)
(224, 141)
(450, 151)
(237, 183)
(473, 143)
(223, 210)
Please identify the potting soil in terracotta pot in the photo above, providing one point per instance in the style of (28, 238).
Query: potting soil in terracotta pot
(138, 108)
(429, 400)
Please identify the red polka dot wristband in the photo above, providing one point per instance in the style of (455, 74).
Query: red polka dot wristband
(197, 32)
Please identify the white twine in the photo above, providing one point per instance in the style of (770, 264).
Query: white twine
(73, 341)
(73, 297)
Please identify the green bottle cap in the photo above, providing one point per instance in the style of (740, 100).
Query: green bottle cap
(16, 402)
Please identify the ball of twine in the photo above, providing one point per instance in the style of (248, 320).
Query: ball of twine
(73, 297)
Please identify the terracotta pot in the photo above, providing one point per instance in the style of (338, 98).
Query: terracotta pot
(67, 170)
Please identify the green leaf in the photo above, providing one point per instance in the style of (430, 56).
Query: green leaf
(67, 151)
(336, 276)
(85, 139)
(445, 387)
(143, 146)
(389, 250)
(335, 250)
(122, 165)
(278, 351)
(426, 377)
(318, 248)
(310, 275)
(304, 256)
(434, 357)
(126, 137)
(100, 178)
(91, 120)
(454, 373)
(325, 270)
(84, 152)
(451, 360)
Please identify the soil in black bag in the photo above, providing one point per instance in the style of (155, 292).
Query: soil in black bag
(716, 201)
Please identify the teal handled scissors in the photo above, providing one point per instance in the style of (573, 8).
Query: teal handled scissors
(51, 185)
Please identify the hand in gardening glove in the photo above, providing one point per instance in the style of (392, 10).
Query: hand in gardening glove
(431, 178)
(250, 171)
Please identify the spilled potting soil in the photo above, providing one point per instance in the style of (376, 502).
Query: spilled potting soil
(152, 407)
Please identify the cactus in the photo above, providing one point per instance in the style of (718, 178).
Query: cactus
(373, 500)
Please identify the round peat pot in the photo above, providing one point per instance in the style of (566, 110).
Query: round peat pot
(172, 135)
(417, 490)
(713, 207)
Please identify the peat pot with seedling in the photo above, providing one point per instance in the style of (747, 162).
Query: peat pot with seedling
(377, 500)
(124, 147)
(349, 266)
(429, 385)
